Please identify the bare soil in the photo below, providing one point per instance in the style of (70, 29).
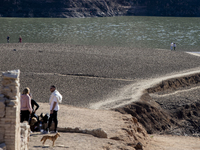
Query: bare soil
(122, 131)
(87, 75)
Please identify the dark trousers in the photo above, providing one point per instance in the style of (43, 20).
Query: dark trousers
(53, 117)
(25, 114)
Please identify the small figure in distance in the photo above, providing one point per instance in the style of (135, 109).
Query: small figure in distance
(174, 46)
(171, 46)
(20, 39)
(8, 39)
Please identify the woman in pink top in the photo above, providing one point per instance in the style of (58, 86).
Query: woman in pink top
(26, 108)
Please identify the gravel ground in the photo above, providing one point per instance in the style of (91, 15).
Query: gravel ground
(88, 74)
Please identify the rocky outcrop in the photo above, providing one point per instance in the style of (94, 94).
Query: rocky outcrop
(153, 119)
(13, 134)
(175, 84)
(98, 8)
(160, 111)
(10, 110)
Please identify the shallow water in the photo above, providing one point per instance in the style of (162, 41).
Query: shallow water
(144, 32)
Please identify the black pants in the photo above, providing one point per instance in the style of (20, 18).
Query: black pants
(53, 117)
(25, 115)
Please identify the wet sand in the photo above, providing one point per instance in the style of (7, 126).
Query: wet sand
(86, 75)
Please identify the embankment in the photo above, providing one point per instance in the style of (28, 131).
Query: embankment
(170, 107)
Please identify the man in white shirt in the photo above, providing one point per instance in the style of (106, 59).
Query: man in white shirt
(54, 107)
(171, 46)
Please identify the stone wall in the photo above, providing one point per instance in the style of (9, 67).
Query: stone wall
(25, 134)
(10, 111)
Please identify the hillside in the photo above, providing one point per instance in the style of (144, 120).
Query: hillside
(98, 8)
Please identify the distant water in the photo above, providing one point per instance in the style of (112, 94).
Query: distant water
(144, 32)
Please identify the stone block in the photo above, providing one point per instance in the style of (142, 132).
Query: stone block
(12, 103)
(5, 91)
(2, 123)
(8, 120)
(2, 103)
(10, 146)
(1, 97)
(2, 114)
(16, 83)
(12, 137)
(2, 130)
(11, 109)
(11, 74)
(1, 136)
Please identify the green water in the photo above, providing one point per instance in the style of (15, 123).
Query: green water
(144, 32)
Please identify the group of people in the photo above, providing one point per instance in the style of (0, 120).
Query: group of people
(28, 111)
(173, 46)
(8, 39)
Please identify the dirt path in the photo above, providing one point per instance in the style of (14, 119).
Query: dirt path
(161, 142)
(110, 121)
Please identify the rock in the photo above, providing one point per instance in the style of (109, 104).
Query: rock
(99, 133)
(1, 97)
(11, 74)
(139, 146)
(12, 103)
(115, 138)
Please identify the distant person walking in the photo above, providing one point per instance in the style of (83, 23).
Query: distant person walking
(8, 39)
(20, 39)
(174, 46)
(171, 46)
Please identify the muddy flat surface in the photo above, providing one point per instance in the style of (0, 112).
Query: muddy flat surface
(89, 74)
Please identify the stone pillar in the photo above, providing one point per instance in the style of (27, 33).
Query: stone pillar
(25, 134)
(10, 110)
